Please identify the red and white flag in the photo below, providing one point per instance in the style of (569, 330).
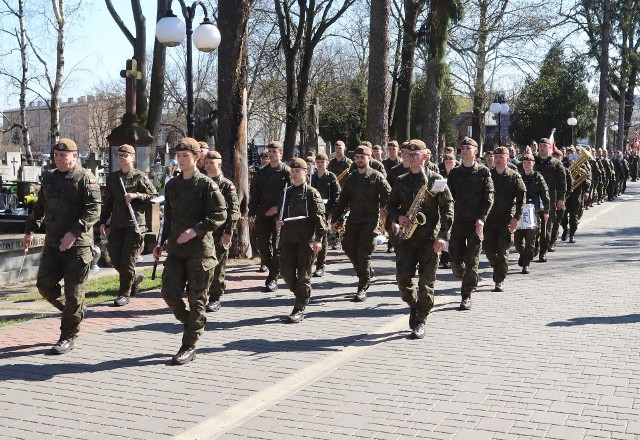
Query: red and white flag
(552, 140)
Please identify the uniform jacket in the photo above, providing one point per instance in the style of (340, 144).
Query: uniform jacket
(338, 166)
(396, 172)
(67, 202)
(328, 187)
(537, 191)
(438, 209)
(432, 167)
(508, 196)
(266, 187)
(193, 203)
(388, 164)
(364, 194)
(472, 190)
(114, 205)
(302, 201)
(230, 195)
(553, 173)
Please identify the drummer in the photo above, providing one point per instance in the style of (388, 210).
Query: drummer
(537, 201)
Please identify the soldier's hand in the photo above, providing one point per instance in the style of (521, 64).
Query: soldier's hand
(279, 224)
(395, 228)
(130, 196)
(586, 196)
(157, 253)
(513, 224)
(26, 242)
(317, 247)
(271, 212)
(103, 231)
(545, 217)
(226, 240)
(403, 220)
(560, 204)
(479, 227)
(67, 241)
(439, 245)
(186, 236)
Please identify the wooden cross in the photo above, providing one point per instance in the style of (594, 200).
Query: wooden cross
(131, 74)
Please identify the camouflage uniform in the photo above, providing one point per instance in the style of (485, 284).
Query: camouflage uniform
(228, 189)
(417, 251)
(192, 203)
(329, 190)
(633, 167)
(374, 164)
(396, 172)
(560, 213)
(574, 202)
(365, 193)
(472, 190)
(508, 202)
(67, 202)
(266, 189)
(337, 167)
(124, 242)
(432, 167)
(297, 237)
(538, 195)
(554, 174)
(388, 163)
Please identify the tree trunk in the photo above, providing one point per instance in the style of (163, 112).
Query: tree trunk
(26, 140)
(402, 114)
(477, 118)
(604, 76)
(54, 106)
(394, 86)
(378, 87)
(156, 89)
(233, 18)
(630, 100)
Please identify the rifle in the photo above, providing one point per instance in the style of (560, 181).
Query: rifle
(131, 213)
(158, 244)
(281, 216)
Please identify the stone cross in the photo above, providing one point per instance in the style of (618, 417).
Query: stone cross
(14, 162)
(93, 163)
(131, 75)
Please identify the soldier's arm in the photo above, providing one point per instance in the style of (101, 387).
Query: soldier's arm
(233, 209)
(544, 194)
(166, 220)
(37, 214)
(384, 189)
(216, 211)
(521, 197)
(341, 204)
(487, 195)
(107, 204)
(317, 215)
(90, 199)
(445, 206)
(146, 191)
(334, 193)
(394, 202)
(561, 183)
(255, 194)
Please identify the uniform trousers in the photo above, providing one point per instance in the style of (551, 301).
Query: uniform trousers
(409, 254)
(296, 260)
(525, 241)
(194, 273)
(71, 265)
(358, 243)
(464, 250)
(545, 228)
(123, 246)
(322, 255)
(266, 233)
(496, 243)
(218, 284)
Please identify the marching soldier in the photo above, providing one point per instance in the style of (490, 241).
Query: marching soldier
(326, 183)
(575, 200)
(302, 227)
(222, 236)
(340, 164)
(194, 209)
(373, 163)
(633, 165)
(449, 162)
(554, 174)
(392, 160)
(428, 164)
(376, 153)
(401, 168)
(266, 187)
(421, 249)
(366, 192)
(127, 187)
(560, 213)
(204, 149)
(69, 204)
(472, 190)
(537, 195)
(508, 205)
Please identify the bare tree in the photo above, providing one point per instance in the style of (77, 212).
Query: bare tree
(149, 97)
(302, 25)
(378, 86)
(233, 19)
(22, 80)
(104, 112)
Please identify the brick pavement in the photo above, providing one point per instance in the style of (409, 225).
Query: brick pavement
(555, 356)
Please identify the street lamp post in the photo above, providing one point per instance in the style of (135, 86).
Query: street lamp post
(614, 128)
(572, 122)
(171, 31)
(497, 108)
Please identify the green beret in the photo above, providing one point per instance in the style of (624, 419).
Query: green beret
(468, 141)
(213, 155)
(275, 144)
(298, 163)
(126, 148)
(188, 144)
(363, 149)
(544, 141)
(416, 145)
(322, 156)
(501, 150)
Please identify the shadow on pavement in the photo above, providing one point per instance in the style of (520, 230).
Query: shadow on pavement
(592, 320)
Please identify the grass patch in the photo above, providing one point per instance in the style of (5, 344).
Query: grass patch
(4, 321)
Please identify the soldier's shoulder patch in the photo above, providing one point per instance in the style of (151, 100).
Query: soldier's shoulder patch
(214, 186)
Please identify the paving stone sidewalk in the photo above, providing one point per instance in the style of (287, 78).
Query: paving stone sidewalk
(555, 356)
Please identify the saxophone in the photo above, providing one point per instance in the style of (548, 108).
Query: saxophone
(416, 217)
(343, 174)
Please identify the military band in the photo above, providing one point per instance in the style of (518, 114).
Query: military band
(459, 206)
